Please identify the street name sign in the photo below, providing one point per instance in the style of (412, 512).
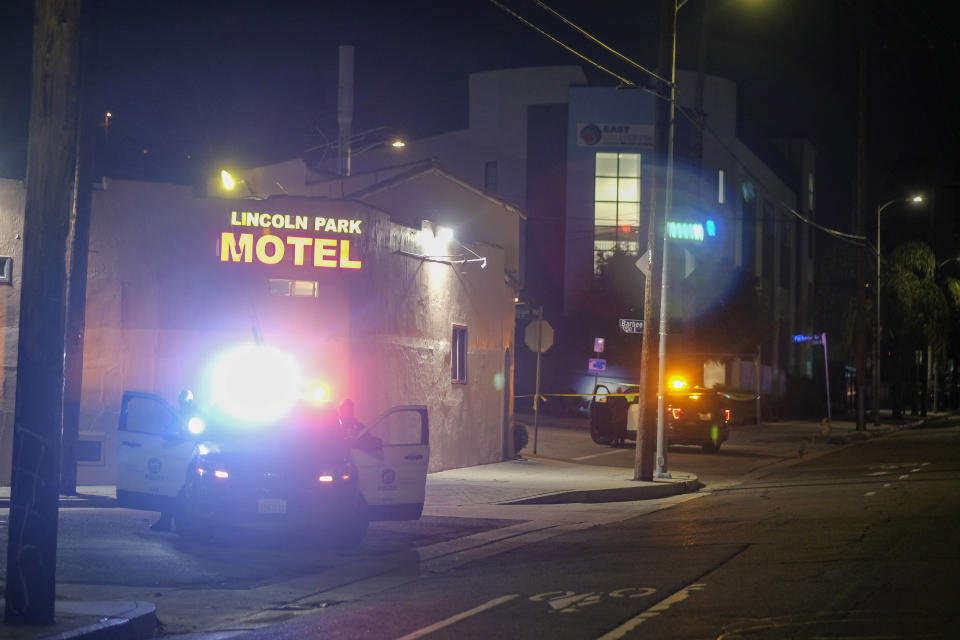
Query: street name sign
(629, 325)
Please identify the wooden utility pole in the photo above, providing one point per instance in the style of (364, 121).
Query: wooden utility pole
(647, 427)
(50, 202)
(78, 243)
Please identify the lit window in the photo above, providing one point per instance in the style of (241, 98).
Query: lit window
(304, 289)
(616, 205)
(280, 287)
(458, 355)
(295, 288)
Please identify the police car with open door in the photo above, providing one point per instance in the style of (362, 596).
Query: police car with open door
(300, 468)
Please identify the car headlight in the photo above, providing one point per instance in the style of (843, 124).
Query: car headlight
(196, 425)
(255, 383)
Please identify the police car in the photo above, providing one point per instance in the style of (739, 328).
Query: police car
(250, 464)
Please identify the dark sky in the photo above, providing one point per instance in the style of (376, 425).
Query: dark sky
(248, 82)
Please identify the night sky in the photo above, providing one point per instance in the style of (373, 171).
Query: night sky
(195, 84)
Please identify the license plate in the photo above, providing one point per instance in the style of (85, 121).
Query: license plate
(272, 505)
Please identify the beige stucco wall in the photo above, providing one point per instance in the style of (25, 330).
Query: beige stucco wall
(12, 199)
(160, 305)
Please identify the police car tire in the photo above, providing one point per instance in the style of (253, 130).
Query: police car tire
(711, 447)
(189, 526)
(354, 528)
(599, 437)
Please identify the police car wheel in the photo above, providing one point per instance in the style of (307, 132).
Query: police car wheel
(354, 527)
(599, 437)
(711, 447)
(190, 523)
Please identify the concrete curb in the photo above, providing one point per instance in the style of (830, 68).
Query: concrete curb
(121, 620)
(647, 491)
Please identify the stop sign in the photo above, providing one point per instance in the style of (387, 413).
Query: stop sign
(546, 335)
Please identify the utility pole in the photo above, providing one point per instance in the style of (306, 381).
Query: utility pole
(860, 324)
(79, 248)
(50, 201)
(647, 428)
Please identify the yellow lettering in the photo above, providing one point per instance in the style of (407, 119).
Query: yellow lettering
(277, 245)
(298, 246)
(301, 223)
(324, 252)
(355, 226)
(318, 223)
(331, 225)
(342, 226)
(277, 221)
(345, 261)
(234, 250)
(233, 219)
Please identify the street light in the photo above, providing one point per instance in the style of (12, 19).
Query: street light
(915, 199)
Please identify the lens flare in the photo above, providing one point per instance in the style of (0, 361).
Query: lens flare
(255, 383)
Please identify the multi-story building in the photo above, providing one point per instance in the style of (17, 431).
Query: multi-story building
(580, 160)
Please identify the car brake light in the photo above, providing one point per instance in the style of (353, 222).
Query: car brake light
(726, 414)
(676, 413)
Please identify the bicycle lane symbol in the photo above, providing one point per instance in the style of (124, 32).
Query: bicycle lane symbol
(572, 602)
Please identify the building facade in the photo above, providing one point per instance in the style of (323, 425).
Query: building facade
(587, 178)
(367, 293)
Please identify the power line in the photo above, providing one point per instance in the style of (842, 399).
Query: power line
(557, 41)
(590, 37)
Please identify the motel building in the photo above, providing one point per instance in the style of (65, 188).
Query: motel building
(395, 287)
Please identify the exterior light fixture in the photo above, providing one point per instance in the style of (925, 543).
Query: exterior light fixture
(227, 180)
(917, 198)
(398, 144)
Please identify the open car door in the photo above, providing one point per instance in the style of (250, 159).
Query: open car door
(391, 455)
(153, 452)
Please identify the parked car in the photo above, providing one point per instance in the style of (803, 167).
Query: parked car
(693, 415)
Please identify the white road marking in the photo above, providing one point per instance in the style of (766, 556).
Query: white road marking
(598, 455)
(652, 612)
(904, 476)
(419, 633)
(914, 470)
(878, 473)
(869, 493)
(887, 485)
(924, 464)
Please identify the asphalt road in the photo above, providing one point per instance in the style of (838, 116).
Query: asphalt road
(858, 543)
(852, 542)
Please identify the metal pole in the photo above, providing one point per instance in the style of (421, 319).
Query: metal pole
(876, 339)
(661, 466)
(758, 383)
(826, 374)
(536, 393)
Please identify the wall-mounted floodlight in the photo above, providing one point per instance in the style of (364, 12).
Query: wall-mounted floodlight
(227, 180)
(917, 198)
(398, 144)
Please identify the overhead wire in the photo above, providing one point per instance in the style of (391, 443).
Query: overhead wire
(851, 238)
(557, 41)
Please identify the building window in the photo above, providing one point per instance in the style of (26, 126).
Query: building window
(6, 270)
(616, 205)
(721, 195)
(490, 176)
(810, 191)
(294, 288)
(458, 355)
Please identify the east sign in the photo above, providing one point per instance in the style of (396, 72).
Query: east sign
(303, 240)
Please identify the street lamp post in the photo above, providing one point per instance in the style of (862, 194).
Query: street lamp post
(876, 342)
(660, 468)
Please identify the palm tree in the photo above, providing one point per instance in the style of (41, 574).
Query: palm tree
(917, 321)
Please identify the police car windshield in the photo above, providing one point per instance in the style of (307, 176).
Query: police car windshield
(306, 428)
